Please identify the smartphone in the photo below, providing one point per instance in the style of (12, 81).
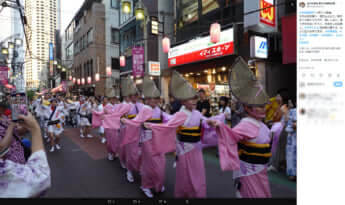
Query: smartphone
(19, 106)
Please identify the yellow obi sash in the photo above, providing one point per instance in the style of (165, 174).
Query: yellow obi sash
(131, 116)
(254, 153)
(189, 134)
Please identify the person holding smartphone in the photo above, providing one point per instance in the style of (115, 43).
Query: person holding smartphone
(28, 179)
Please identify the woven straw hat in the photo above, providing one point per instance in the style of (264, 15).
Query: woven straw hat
(128, 87)
(150, 89)
(180, 88)
(244, 85)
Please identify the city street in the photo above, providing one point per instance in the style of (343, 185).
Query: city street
(81, 170)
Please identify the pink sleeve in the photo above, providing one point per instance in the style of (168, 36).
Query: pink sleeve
(227, 147)
(209, 134)
(164, 135)
(112, 121)
(96, 119)
(132, 131)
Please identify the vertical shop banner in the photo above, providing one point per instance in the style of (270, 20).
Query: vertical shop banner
(138, 55)
(268, 15)
(263, 21)
(289, 39)
(3, 75)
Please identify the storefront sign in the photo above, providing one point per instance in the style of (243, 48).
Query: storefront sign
(202, 49)
(154, 68)
(258, 47)
(268, 16)
(264, 21)
(138, 55)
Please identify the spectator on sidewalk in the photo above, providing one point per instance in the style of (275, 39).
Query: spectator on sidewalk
(29, 179)
(225, 109)
(203, 105)
(175, 105)
(237, 112)
(272, 108)
(291, 145)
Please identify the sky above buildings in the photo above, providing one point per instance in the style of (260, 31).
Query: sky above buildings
(68, 10)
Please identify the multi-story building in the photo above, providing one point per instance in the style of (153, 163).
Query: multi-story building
(138, 33)
(94, 54)
(43, 20)
(244, 24)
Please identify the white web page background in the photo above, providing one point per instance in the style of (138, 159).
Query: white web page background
(320, 90)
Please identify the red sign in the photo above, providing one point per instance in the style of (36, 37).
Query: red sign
(268, 15)
(204, 54)
(202, 49)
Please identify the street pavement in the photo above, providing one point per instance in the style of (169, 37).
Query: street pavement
(81, 170)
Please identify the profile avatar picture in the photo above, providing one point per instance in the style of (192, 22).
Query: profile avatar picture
(302, 4)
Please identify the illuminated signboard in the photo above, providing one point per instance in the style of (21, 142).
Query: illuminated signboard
(202, 49)
(268, 15)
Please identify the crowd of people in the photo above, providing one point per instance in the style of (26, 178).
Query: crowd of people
(140, 129)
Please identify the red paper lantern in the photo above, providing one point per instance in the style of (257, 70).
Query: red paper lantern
(122, 61)
(215, 32)
(78, 81)
(89, 80)
(166, 44)
(70, 77)
(108, 70)
(97, 77)
(83, 81)
(74, 80)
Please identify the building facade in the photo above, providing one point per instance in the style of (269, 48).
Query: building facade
(92, 44)
(207, 65)
(43, 20)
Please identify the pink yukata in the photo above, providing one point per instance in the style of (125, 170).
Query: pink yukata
(153, 165)
(131, 152)
(251, 179)
(190, 169)
(111, 123)
(110, 134)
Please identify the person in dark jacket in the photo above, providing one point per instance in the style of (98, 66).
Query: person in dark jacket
(203, 105)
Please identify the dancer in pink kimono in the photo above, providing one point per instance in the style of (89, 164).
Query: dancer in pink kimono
(111, 134)
(152, 166)
(246, 149)
(191, 126)
(129, 154)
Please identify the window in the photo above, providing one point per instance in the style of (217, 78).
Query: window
(189, 11)
(209, 5)
(115, 64)
(115, 36)
(90, 36)
(115, 4)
